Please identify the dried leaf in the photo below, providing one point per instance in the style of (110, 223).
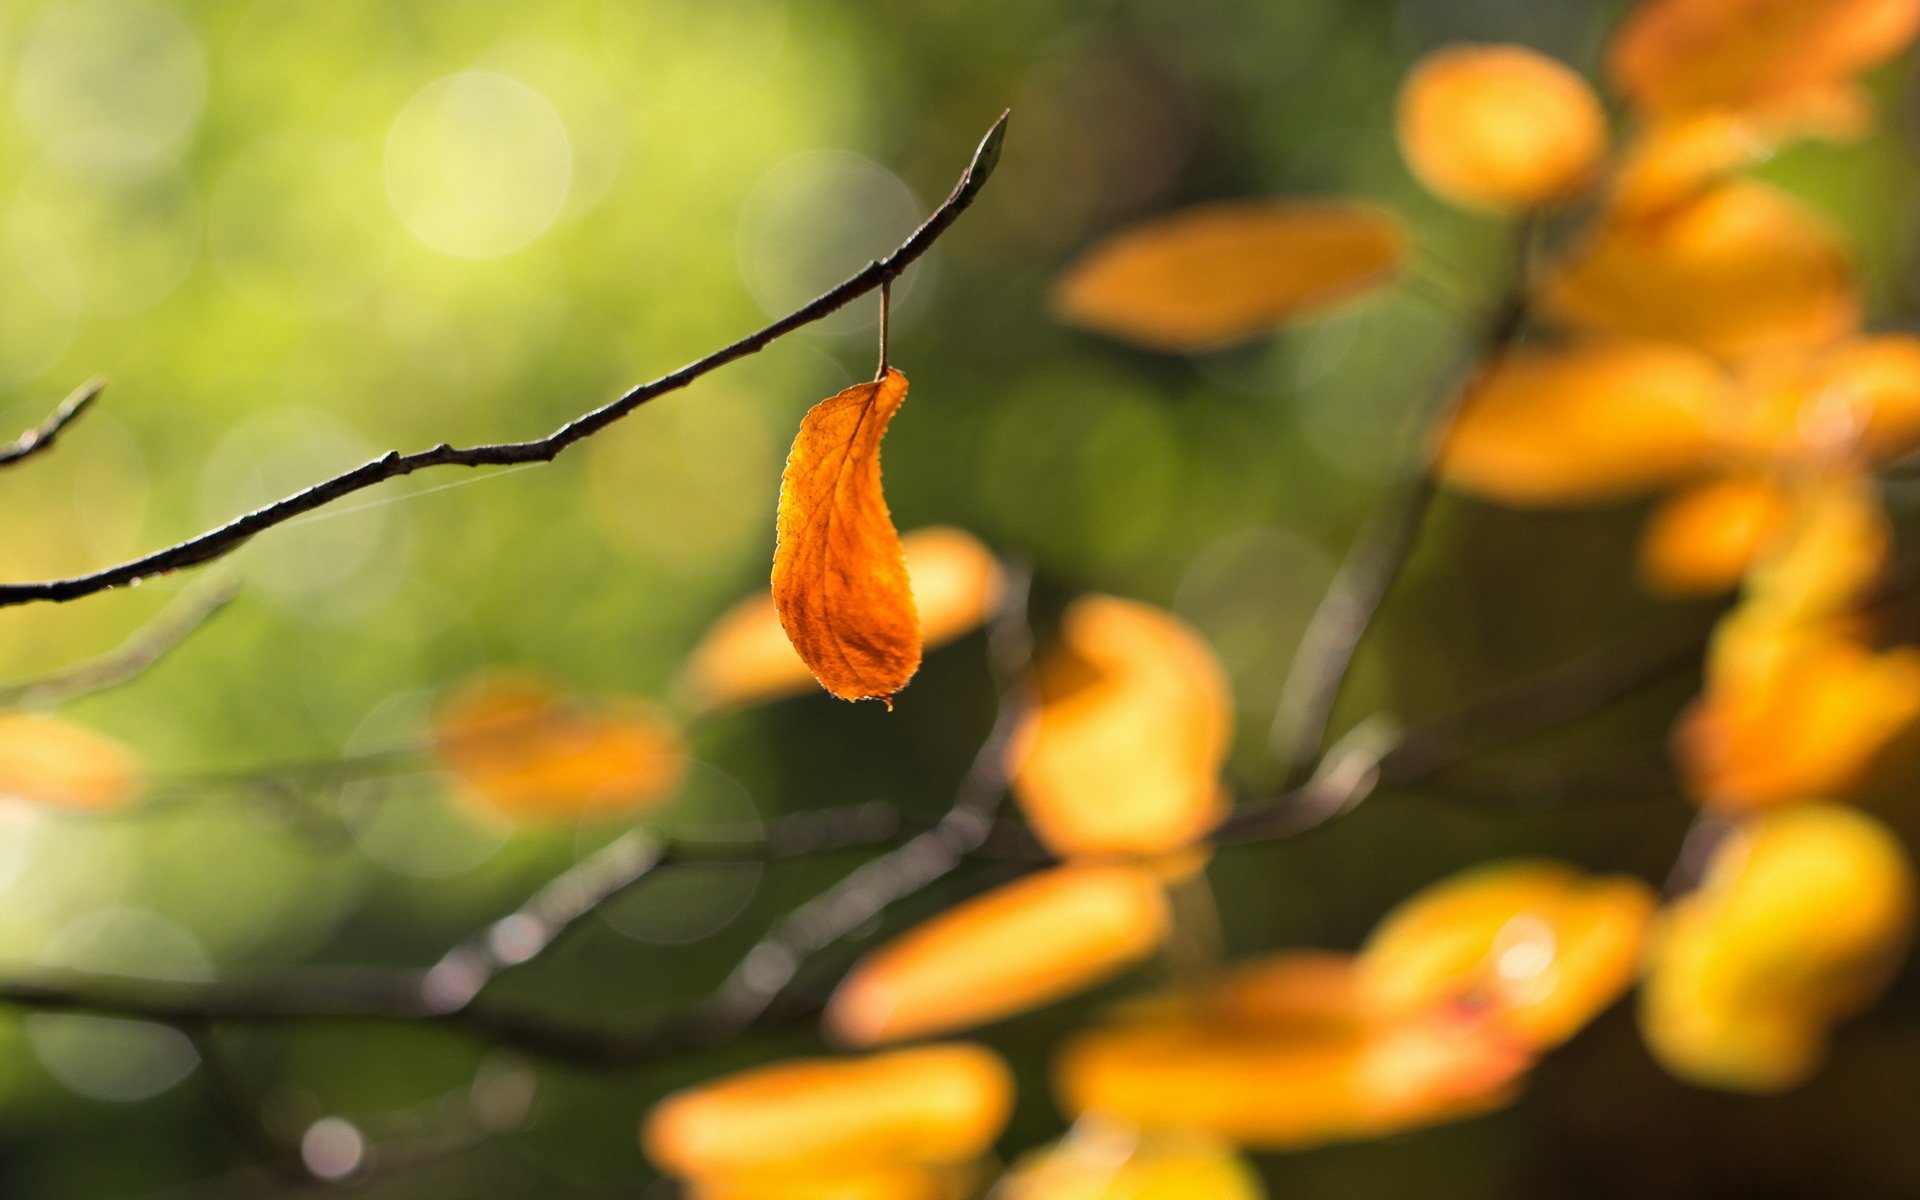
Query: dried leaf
(1122, 753)
(524, 750)
(1704, 540)
(1681, 56)
(746, 657)
(1023, 944)
(1593, 421)
(44, 760)
(931, 1104)
(1740, 270)
(839, 578)
(1226, 271)
(1800, 919)
(1500, 127)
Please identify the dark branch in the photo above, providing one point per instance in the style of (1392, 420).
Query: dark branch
(229, 537)
(41, 437)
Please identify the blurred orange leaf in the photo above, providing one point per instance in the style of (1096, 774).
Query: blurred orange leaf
(1225, 271)
(839, 578)
(1740, 269)
(893, 1181)
(1800, 919)
(526, 751)
(1021, 945)
(746, 657)
(927, 1105)
(1676, 56)
(1500, 127)
(1097, 1161)
(44, 760)
(1704, 539)
(1122, 753)
(1591, 421)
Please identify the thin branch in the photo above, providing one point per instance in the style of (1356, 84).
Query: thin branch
(1346, 612)
(41, 437)
(227, 538)
(134, 658)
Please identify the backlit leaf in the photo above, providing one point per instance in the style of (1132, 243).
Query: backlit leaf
(526, 751)
(1500, 127)
(1097, 1161)
(839, 578)
(1593, 421)
(1021, 945)
(1122, 753)
(1704, 539)
(44, 760)
(1221, 272)
(746, 657)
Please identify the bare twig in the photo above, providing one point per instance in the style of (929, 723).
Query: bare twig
(41, 437)
(133, 659)
(224, 540)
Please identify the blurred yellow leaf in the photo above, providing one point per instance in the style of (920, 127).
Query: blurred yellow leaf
(903, 1181)
(746, 657)
(1870, 387)
(1828, 553)
(839, 579)
(1538, 947)
(1021, 945)
(1500, 127)
(1122, 752)
(1099, 1162)
(1704, 539)
(526, 751)
(1591, 421)
(1225, 271)
(1674, 56)
(1800, 919)
(44, 760)
(1740, 269)
(925, 1106)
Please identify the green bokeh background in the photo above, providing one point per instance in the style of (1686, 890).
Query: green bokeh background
(240, 212)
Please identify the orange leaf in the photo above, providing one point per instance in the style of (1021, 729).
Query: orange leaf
(525, 751)
(1226, 271)
(928, 1105)
(1800, 919)
(839, 578)
(912, 1181)
(1122, 754)
(1500, 127)
(1705, 539)
(1021, 945)
(1874, 384)
(47, 761)
(746, 657)
(1106, 1162)
(1677, 56)
(1739, 270)
(1576, 424)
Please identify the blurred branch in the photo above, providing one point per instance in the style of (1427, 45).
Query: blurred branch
(42, 436)
(1345, 613)
(133, 659)
(227, 538)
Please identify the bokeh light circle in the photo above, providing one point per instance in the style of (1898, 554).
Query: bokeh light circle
(130, 69)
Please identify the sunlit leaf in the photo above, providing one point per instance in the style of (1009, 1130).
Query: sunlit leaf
(1869, 388)
(1021, 945)
(1592, 421)
(1674, 56)
(1704, 539)
(746, 657)
(1096, 1161)
(1221, 272)
(1739, 270)
(44, 760)
(839, 579)
(1279, 1056)
(1538, 947)
(1500, 127)
(1123, 750)
(898, 1181)
(1800, 919)
(928, 1105)
(1829, 551)
(525, 750)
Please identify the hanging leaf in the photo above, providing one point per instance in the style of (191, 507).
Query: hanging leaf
(839, 576)
(44, 760)
(745, 657)
(1222, 272)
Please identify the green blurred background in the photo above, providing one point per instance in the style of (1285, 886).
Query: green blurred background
(297, 233)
